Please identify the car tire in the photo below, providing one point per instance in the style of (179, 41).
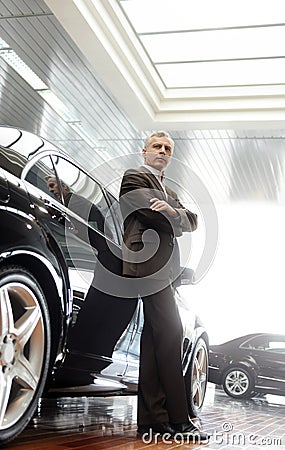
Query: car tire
(196, 377)
(238, 383)
(24, 349)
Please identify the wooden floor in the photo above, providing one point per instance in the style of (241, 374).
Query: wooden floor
(110, 423)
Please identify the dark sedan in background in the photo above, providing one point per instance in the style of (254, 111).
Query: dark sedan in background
(63, 323)
(249, 365)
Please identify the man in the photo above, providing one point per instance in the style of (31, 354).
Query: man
(153, 217)
(53, 187)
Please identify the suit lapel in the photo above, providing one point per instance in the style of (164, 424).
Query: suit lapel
(153, 179)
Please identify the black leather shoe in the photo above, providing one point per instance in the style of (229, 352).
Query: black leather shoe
(188, 431)
(142, 429)
(156, 428)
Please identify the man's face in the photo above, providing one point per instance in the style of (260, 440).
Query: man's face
(53, 187)
(158, 152)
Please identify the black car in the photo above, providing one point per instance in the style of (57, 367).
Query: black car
(63, 321)
(249, 365)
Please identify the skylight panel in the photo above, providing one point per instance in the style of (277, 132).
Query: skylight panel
(223, 73)
(172, 15)
(216, 44)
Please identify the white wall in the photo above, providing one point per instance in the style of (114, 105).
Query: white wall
(244, 290)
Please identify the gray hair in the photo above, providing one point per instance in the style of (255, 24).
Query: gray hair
(158, 134)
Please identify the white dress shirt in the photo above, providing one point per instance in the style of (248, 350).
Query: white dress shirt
(159, 175)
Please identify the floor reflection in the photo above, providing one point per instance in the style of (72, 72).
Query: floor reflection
(245, 423)
(110, 422)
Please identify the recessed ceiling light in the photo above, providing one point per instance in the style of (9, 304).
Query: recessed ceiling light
(22, 69)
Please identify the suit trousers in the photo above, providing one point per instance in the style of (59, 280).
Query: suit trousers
(161, 392)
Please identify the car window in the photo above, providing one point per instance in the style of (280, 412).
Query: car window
(266, 343)
(40, 172)
(256, 343)
(84, 196)
(276, 346)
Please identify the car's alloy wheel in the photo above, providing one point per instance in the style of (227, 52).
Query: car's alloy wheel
(196, 377)
(24, 349)
(238, 383)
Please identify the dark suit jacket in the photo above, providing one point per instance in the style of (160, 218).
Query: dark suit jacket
(149, 244)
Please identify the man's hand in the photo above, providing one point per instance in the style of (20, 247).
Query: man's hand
(162, 205)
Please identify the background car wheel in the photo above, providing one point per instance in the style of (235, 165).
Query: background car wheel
(24, 349)
(196, 378)
(238, 383)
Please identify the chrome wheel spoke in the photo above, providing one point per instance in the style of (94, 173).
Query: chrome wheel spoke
(5, 390)
(203, 377)
(199, 394)
(6, 313)
(202, 359)
(26, 375)
(26, 325)
(194, 387)
(196, 367)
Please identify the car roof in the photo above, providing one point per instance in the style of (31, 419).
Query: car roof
(28, 145)
(25, 142)
(241, 339)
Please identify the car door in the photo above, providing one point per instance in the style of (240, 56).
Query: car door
(101, 315)
(269, 353)
(77, 214)
(48, 209)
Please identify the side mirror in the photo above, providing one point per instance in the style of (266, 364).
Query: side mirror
(187, 276)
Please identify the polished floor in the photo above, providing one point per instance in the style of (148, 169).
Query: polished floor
(64, 423)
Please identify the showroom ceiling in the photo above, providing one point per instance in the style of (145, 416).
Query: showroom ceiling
(192, 44)
(98, 103)
(183, 63)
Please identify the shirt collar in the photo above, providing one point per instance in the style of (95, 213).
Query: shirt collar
(159, 174)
